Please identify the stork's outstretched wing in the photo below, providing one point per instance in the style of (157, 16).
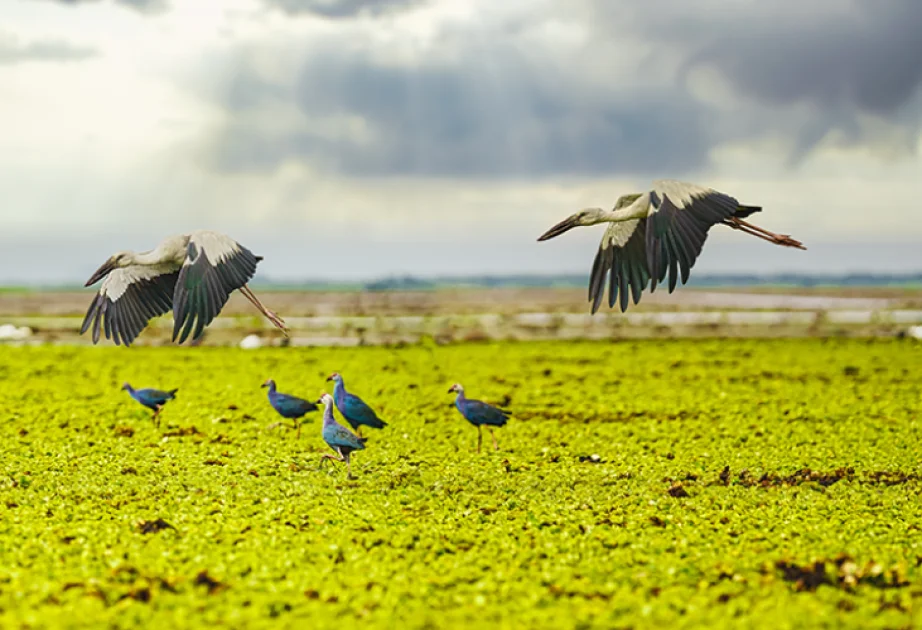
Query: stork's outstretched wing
(622, 252)
(677, 225)
(215, 266)
(129, 298)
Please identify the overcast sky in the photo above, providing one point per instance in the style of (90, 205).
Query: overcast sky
(361, 138)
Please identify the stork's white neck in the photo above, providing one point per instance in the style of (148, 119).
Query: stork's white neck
(170, 251)
(146, 258)
(636, 210)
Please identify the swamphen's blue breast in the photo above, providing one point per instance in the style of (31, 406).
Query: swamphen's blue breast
(339, 437)
(480, 413)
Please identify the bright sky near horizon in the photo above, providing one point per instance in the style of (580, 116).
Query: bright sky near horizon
(361, 138)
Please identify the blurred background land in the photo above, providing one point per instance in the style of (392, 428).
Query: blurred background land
(449, 309)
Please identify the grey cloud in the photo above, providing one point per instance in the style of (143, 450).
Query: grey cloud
(344, 8)
(499, 114)
(11, 51)
(870, 57)
(843, 59)
(143, 6)
(491, 102)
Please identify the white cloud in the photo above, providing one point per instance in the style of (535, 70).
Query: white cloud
(118, 150)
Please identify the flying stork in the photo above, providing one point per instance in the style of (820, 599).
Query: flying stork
(659, 231)
(192, 274)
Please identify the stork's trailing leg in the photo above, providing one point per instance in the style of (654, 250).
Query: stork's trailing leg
(479, 436)
(755, 230)
(156, 417)
(272, 317)
(493, 435)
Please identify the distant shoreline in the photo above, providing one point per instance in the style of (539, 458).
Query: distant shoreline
(411, 283)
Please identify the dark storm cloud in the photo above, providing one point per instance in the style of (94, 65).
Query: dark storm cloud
(497, 104)
(497, 114)
(842, 59)
(868, 54)
(13, 52)
(343, 8)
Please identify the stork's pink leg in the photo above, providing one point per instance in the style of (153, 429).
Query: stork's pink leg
(493, 435)
(272, 317)
(755, 230)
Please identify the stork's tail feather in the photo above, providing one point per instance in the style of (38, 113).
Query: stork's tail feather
(744, 211)
(172, 392)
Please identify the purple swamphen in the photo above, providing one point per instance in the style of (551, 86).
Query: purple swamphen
(288, 406)
(153, 399)
(479, 414)
(353, 408)
(338, 437)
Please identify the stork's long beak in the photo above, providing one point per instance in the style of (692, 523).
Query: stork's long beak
(451, 389)
(102, 272)
(266, 384)
(330, 377)
(567, 224)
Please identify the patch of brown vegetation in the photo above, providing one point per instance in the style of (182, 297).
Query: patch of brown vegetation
(152, 527)
(182, 432)
(213, 585)
(825, 479)
(841, 572)
(677, 490)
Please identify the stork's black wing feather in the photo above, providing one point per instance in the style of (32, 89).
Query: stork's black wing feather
(215, 266)
(622, 256)
(677, 226)
(127, 300)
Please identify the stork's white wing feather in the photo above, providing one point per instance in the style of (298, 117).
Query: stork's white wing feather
(118, 280)
(217, 247)
(617, 234)
(680, 193)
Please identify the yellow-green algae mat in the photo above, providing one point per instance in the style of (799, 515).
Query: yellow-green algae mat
(737, 484)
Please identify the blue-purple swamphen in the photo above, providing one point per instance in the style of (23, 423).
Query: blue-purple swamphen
(288, 406)
(153, 399)
(338, 437)
(353, 408)
(479, 414)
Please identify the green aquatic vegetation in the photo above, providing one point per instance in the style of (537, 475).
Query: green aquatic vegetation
(638, 484)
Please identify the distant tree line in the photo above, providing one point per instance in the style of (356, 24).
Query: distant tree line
(410, 283)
